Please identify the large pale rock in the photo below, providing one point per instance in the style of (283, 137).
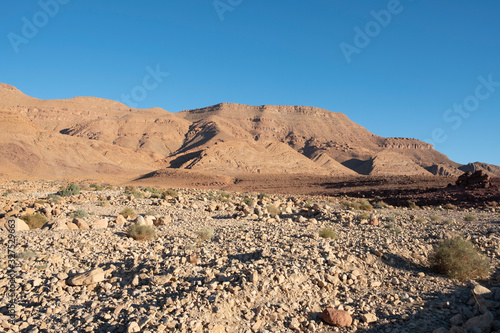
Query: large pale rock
(369, 318)
(120, 219)
(140, 220)
(338, 318)
(149, 220)
(84, 279)
(82, 225)
(100, 224)
(20, 225)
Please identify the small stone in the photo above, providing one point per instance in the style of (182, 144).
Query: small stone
(294, 324)
(457, 320)
(334, 317)
(120, 219)
(218, 329)
(133, 327)
(149, 220)
(369, 318)
(395, 281)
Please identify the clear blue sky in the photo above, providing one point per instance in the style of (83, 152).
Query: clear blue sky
(409, 65)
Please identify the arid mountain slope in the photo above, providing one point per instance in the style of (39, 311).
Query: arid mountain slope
(86, 135)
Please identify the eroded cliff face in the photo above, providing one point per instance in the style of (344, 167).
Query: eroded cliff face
(224, 138)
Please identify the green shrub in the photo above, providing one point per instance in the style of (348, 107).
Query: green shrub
(80, 213)
(141, 232)
(151, 190)
(262, 196)
(171, 193)
(28, 254)
(411, 204)
(273, 210)
(152, 212)
(53, 198)
(71, 189)
(327, 233)
(450, 206)
(391, 219)
(420, 220)
(435, 218)
(459, 259)
(34, 221)
(364, 216)
(205, 234)
(128, 213)
(359, 205)
(96, 187)
(470, 218)
(392, 227)
(249, 201)
(129, 188)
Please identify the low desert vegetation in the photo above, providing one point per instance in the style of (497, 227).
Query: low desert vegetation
(96, 187)
(170, 193)
(248, 201)
(358, 205)
(391, 219)
(80, 213)
(152, 212)
(450, 206)
(34, 221)
(459, 259)
(28, 254)
(327, 233)
(435, 218)
(470, 218)
(141, 232)
(392, 227)
(128, 213)
(71, 189)
(273, 210)
(411, 204)
(53, 198)
(420, 220)
(364, 216)
(262, 196)
(205, 234)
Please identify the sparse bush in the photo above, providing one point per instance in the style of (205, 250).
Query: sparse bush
(34, 221)
(103, 203)
(359, 205)
(392, 227)
(364, 216)
(435, 218)
(273, 210)
(96, 187)
(80, 214)
(448, 221)
(28, 254)
(391, 219)
(262, 196)
(141, 232)
(129, 188)
(420, 220)
(411, 204)
(152, 212)
(53, 198)
(128, 213)
(171, 193)
(459, 259)
(151, 190)
(71, 189)
(205, 234)
(249, 201)
(470, 218)
(450, 206)
(327, 233)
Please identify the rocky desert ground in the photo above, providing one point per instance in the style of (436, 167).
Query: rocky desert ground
(236, 262)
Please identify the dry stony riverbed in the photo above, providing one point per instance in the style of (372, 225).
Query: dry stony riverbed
(259, 272)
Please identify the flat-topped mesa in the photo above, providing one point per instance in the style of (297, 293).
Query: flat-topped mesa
(405, 143)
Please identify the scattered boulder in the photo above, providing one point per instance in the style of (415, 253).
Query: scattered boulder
(476, 179)
(20, 225)
(338, 318)
(100, 224)
(120, 219)
(84, 279)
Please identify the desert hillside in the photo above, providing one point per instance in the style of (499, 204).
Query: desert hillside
(87, 136)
